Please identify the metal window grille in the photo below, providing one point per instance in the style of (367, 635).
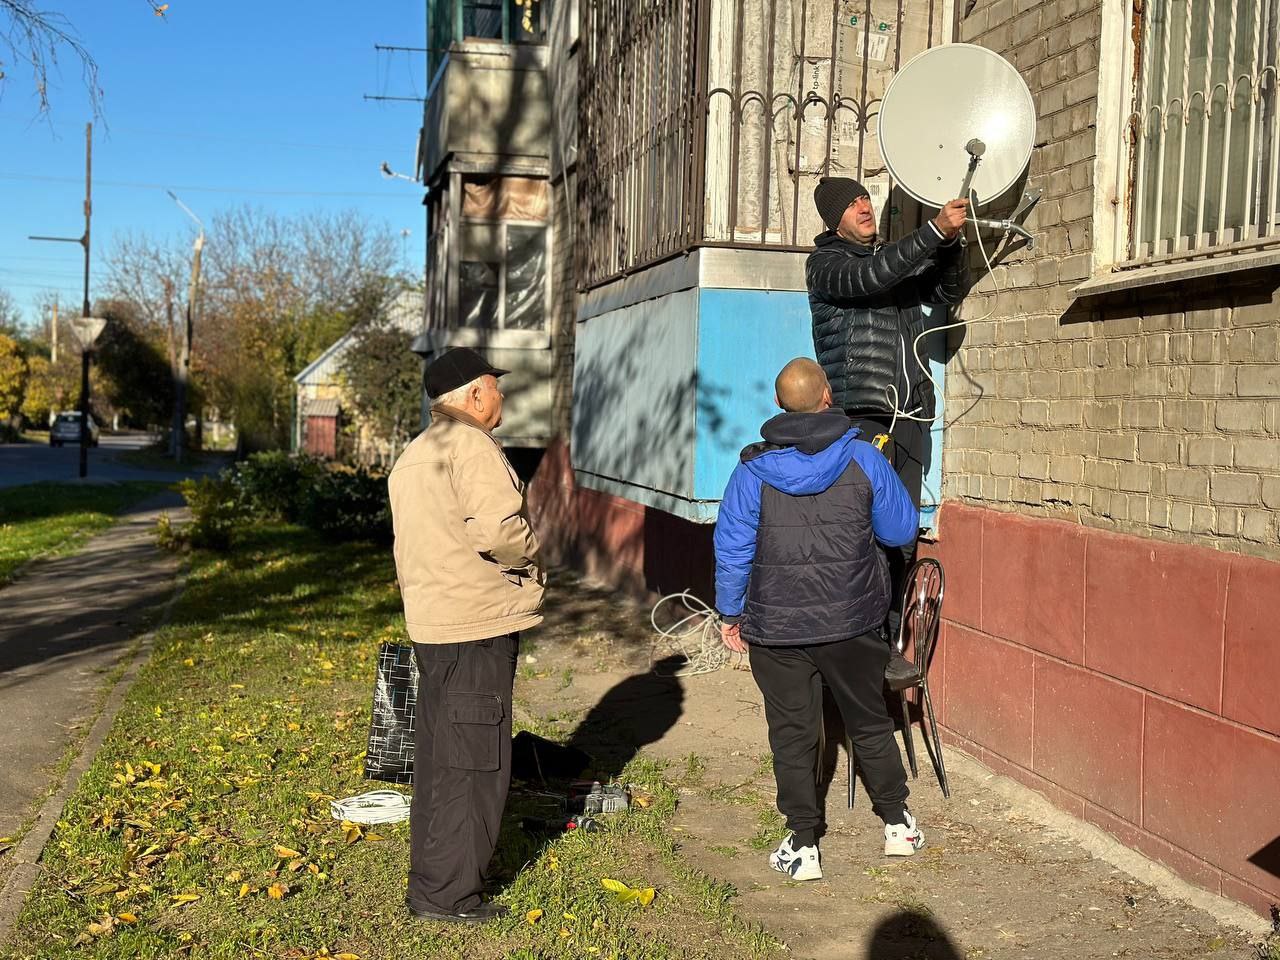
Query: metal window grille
(1204, 129)
(709, 122)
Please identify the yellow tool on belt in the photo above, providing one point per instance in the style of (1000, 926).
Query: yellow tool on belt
(881, 440)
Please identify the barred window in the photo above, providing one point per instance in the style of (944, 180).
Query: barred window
(1204, 130)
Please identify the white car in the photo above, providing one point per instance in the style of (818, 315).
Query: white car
(66, 429)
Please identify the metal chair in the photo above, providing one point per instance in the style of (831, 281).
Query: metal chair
(921, 617)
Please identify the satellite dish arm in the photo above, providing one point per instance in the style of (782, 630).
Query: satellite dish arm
(832, 274)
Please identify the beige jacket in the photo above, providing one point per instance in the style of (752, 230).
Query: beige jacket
(466, 557)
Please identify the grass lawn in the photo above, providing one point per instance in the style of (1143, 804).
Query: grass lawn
(202, 828)
(40, 519)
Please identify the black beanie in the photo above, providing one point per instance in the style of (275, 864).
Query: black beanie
(832, 197)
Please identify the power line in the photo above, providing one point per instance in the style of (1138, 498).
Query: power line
(248, 141)
(166, 186)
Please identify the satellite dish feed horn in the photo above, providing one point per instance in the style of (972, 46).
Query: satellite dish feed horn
(958, 110)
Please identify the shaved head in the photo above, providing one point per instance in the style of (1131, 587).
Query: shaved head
(802, 387)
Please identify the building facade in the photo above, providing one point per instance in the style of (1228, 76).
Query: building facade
(1104, 489)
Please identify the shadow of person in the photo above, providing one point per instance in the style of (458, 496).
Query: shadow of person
(633, 714)
(907, 935)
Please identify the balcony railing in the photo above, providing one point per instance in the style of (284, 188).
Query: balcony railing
(709, 122)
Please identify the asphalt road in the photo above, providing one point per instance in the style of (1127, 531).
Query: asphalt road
(35, 463)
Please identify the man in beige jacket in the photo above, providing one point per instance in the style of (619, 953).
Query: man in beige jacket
(466, 559)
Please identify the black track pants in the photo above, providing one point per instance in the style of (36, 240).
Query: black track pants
(461, 768)
(791, 678)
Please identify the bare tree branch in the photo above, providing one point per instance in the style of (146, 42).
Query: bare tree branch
(33, 38)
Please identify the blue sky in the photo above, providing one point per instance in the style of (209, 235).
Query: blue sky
(226, 102)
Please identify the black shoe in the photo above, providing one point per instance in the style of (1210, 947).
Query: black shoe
(479, 914)
(901, 673)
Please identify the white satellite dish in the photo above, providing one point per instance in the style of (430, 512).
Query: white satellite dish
(955, 117)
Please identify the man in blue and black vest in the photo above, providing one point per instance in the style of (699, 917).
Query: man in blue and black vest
(802, 585)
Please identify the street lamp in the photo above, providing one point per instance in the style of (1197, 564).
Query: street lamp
(86, 330)
(178, 440)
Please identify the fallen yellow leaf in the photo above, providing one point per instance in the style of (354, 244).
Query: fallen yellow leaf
(244, 891)
(188, 662)
(533, 916)
(345, 956)
(285, 853)
(353, 834)
(186, 897)
(127, 918)
(374, 837)
(564, 932)
(6, 839)
(235, 876)
(277, 891)
(570, 916)
(646, 896)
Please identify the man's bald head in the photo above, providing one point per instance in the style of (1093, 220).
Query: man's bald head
(802, 387)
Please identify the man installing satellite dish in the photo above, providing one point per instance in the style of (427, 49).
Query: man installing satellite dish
(870, 301)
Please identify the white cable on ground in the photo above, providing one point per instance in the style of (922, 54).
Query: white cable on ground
(939, 398)
(377, 806)
(696, 635)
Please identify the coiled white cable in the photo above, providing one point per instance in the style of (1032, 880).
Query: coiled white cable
(376, 806)
(708, 653)
(939, 398)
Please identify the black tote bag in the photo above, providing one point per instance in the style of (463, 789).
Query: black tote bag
(389, 756)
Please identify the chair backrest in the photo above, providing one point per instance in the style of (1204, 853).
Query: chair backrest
(921, 609)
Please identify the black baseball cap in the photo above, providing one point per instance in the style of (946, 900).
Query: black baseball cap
(454, 368)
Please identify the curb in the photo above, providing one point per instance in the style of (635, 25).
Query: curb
(26, 857)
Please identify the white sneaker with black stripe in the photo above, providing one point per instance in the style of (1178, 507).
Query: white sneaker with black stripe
(902, 839)
(800, 864)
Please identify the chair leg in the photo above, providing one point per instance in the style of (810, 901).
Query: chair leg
(906, 734)
(937, 741)
(848, 744)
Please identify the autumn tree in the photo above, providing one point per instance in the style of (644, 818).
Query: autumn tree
(13, 380)
(39, 400)
(383, 381)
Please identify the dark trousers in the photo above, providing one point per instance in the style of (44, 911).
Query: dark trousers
(461, 768)
(907, 452)
(791, 679)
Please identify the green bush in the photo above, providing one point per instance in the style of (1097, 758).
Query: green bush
(348, 505)
(216, 511)
(275, 484)
(340, 504)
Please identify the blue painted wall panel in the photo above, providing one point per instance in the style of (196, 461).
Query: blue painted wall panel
(669, 391)
(745, 337)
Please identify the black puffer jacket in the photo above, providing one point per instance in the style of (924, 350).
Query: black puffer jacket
(868, 308)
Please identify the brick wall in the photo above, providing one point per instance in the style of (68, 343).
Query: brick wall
(564, 304)
(1155, 413)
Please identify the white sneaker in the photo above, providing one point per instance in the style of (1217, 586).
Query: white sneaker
(902, 839)
(802, 864)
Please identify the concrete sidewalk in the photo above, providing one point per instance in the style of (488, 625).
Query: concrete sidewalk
(64, 625)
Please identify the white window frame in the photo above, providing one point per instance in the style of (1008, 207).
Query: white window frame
(1115, 192)
(548, 266)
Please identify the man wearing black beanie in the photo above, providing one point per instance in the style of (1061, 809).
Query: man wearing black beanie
(870, 301)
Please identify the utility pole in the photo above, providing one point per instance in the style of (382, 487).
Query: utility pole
(84, 310)
(53, 358)
(184, 361)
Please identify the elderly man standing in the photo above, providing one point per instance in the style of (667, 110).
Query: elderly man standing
(466, 559)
